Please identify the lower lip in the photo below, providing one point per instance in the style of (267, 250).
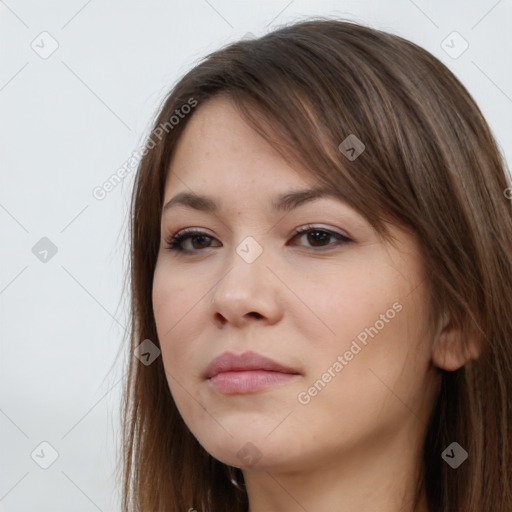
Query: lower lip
(231, 383)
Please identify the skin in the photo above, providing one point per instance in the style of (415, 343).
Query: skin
(356, 444)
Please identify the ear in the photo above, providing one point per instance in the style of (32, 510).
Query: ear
(451, 349)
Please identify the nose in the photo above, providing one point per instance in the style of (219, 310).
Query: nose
(246, 293)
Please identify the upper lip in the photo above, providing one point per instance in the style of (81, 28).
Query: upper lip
(231, 362)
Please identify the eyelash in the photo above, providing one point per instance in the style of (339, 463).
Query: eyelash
(174, 243)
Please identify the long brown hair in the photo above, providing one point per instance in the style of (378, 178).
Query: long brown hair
(430, 164)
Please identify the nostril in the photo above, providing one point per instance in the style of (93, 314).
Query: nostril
(257, 315)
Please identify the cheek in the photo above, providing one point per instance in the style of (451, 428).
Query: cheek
(357, 305)
(332, 301)
(380, 333)
(176, 294)
(381, 387)
(176, 309)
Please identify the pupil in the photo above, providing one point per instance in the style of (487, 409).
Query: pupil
(320, 233)
(204, 238)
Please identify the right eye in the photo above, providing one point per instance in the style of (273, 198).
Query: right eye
(176, 241)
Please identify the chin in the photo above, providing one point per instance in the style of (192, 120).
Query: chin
(247, 451)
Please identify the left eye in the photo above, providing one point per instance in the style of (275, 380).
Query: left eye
(315, 236)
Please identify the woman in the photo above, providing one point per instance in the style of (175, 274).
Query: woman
(321, 275)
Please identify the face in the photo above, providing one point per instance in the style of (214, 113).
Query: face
(341, 311)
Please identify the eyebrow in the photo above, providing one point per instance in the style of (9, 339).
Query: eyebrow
(282, 203)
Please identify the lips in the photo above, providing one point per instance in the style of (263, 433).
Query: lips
(247, 361)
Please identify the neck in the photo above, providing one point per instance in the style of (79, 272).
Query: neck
(380, 478)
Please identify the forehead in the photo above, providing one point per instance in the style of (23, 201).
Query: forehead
(219, 151)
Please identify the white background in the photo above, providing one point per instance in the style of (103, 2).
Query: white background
(67, 122)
